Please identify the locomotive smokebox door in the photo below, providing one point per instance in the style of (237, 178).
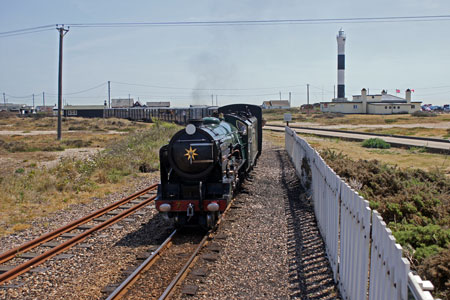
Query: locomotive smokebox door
(192, 158)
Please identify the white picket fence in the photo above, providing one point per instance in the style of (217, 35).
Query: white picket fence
(366, 261)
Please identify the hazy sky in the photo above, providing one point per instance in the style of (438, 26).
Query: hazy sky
(238, 63)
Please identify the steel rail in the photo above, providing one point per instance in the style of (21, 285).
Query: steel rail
(193, 258)
(125, 285)
(22, 268)
(8, 255)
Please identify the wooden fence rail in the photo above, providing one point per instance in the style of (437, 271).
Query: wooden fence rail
(366, 261)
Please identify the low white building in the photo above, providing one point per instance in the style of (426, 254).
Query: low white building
(276, 104)
(122, 102)
(379, 104)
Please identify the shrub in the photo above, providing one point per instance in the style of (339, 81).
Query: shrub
(423, 114)
(415, 205)
(376, 143)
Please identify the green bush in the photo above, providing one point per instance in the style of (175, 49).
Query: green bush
(376, 143)
(414, 204)
(423, 114)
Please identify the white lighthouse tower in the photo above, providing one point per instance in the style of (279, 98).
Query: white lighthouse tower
(341, 66)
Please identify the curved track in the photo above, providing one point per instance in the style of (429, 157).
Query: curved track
(143, 195)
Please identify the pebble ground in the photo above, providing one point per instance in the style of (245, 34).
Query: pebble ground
(268, 247)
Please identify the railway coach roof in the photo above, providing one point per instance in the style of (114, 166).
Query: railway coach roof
(83, 107)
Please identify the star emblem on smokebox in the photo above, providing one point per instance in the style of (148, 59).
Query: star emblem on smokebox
(190, 154)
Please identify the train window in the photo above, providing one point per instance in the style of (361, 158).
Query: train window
(241, 127)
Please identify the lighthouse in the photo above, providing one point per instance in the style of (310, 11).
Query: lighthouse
(341, 66)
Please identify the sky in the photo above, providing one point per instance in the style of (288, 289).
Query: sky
(238, 64)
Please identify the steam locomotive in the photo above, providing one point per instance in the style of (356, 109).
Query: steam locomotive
(203, 164)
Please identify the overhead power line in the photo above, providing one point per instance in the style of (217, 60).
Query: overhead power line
(206, 89)
(28, 29)
(26, 32)
(83, 91)
(270, 21)
(421, 18)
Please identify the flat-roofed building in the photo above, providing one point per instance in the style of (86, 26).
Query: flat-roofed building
(122, 102)
(276, 104)
(85, 111)
(379, 104)
(11, 107)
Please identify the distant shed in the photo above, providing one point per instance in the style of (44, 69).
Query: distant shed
(122, 102)
(84, 111)
(276, 104)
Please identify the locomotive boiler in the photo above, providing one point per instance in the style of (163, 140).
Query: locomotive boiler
(203, 164)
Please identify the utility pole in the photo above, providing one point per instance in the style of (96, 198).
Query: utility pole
(217, 103)
(62, 32)
(280, 95)
(290, 99)
(129, 100)
(33, 100)
(307, 94)
(4, 100)
(109, 94)
(307, 97)
(43, 99)
(212, 100)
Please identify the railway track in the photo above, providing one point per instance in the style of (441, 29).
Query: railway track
(99, 220)
(175, 256)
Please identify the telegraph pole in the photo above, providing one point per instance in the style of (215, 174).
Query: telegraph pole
(307, 94)
(33, 100)
(212, 100)
(109, 94)
(4, 100)
(43, 99)
(307, 97)
(62, 33)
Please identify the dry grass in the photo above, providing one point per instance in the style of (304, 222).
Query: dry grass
(72, 123)
(403, 158)
(30, 191)
(350, 119)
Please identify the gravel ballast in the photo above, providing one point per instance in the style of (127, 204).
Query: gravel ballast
(270, 246)
(267, 247)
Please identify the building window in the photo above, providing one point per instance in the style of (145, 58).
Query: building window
(355, 106)
(71, 112)
(413, 106)
(385, 107)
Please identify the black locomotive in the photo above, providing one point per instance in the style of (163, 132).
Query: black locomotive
(204, 163)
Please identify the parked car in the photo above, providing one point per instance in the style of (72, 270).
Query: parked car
(446, 107)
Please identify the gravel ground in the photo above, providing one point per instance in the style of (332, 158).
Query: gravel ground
(270, 246)
(91, 267)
